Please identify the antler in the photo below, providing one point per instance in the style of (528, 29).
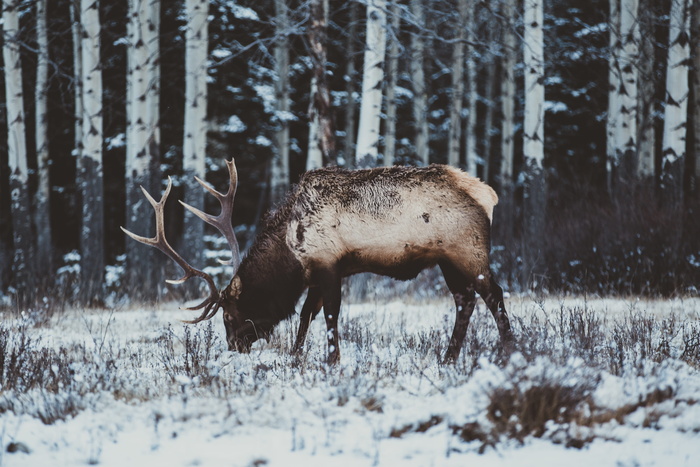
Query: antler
(223, 221)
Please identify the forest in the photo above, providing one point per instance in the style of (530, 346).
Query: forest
(585, 118)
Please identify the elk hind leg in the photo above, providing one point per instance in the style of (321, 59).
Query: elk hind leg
(312, 305)
(465, 300)
(492, 293)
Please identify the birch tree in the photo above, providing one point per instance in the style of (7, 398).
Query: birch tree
(457, 98)
(142, 136)
(392, 71)
(367, 151)
(279, 176)
(534, 181)
(195, 142)
(42, 217)
(420, 91)
(613, 116)
(92, 232)
(676, 104)
(646, 99)
(321, 130)
(624, 144)
(76, 34)
(472, 91)
(350, 87)
(23, 270)
(505, 211)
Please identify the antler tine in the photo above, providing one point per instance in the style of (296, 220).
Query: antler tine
(223, 221)
(159, 241)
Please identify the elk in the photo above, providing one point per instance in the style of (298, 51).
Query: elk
(393, 221)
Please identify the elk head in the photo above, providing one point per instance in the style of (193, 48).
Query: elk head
(240, 333)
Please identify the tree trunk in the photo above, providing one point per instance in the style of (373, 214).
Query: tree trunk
(42, 219)
(646, 107)
(195, 141)
(392, 70)
(455, 134)
(613, 118)
(490, 97)
(420, 92)
(23, 270)
(142, 142)
(321, 129)
(92, 233)
(279, 175)
(534, 181)
(696, 95)
(351, 87)
(505, 212)
(367, 151)
(626, 138)
(76, 31)
(472, 91)
(676, 110)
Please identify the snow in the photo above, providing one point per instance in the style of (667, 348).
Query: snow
(389, 402)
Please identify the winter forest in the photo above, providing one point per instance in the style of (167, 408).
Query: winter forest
(583, 118)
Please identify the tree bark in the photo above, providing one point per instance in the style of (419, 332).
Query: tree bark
(676, 110)
(367, 151)
(23, 270)
(279, 175)
(392, 70)
(42, 218)
(614, 77)
(142, 149)
(420, 93)
(646, 107)
(472, 91)
(534, 181)
(351, 87)
(696, 95)
(92, 233)
(457, 98)
(195, 140)
(321, 128)
(76, 32)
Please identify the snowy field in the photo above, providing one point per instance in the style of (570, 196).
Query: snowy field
(593, 382)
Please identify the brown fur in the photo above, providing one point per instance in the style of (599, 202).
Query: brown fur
(392, 221)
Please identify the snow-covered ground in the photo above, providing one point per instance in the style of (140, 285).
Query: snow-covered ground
(594, 382)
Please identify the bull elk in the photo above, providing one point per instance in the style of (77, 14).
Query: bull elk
(391, 221)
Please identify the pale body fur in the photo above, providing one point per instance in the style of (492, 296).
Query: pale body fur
(391, 225)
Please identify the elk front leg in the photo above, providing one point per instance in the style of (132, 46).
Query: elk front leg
(312, 305)
(331, 292)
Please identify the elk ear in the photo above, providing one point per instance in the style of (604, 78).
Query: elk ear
(235, 287)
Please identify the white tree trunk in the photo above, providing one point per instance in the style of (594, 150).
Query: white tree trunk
(508, 93)
(420, 94)
(321, 150)
(279, 176)
(646, 107)
(92, 242)
(613, 118)
(41, 200)
(351, 87)
(392, 70)
(676, 103)
(367, 151)
(194, 145)
(23, 258)
(142, 136)
(534, 180)
(472, 92)
(626, 138)
(457, 98)
(76, 32)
